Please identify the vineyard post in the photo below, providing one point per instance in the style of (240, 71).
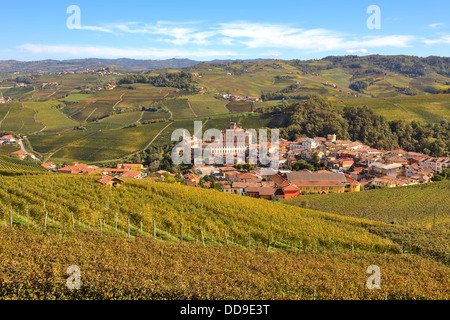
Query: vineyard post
(203, 238)
(141, 226)
(101, 227)
(73, 221)
(275, 242)
(249, 241)
(10, 217)
(315, 246)
(117, 217)
(154, 229)
(128, 227)
(226, 239)
(45, 220)
(434, 217)
(352, 247)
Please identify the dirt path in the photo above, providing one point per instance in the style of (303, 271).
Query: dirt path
(53, 153)
(6, 115)
(140, 118)
(120, 100)
(157, 136)
(36, 121)
(146, 147)
(50, 95)
(90, 115)
(22, 147)
(190, 107)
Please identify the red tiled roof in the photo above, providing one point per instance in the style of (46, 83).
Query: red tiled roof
(107, 178)
(246, 176)
(291, 187)
(317, 183)
(131, 174)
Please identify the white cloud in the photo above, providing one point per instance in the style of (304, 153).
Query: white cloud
(437, 25)
(179, 33)
(93, 28)
(256, 35)
(445, 39)
(357, 51)
(110, 52)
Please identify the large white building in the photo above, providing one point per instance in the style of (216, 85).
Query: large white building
(235, 142)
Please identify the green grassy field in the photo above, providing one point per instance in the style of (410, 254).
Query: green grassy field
(426, 108)
(240, 106)
(108, 144)
(205, 105)
(14, 167)
(21, 119)
(122, 119)
(405, 205)
(75, 97)
(7, 149)
(52, 118)
(179, 108)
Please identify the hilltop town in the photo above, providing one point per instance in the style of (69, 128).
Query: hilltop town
(319, 165)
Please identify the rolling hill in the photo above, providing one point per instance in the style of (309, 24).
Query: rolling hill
(52, 117)
(312, 254)
(410, 205)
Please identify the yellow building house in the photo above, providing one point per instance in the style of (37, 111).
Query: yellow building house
(323, 182)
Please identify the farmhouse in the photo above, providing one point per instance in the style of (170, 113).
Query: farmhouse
(7, 139)
(23, 155)
(79, 169)
(49, 166)
(132, 174)
(110, 181)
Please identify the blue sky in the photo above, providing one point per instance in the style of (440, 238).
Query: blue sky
(207, 30)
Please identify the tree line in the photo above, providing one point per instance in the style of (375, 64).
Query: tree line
(181, 80)
(318, 117)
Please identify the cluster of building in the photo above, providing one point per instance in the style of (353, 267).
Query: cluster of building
(330, 84)
(7, 139)
(126, 170)
(101, 72)
(233, 98)
(5, 99)
(49, 84)
(350, 166)
(10, 139)
(369, 166)
(272, 184)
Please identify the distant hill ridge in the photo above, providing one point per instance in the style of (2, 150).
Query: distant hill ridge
(93, 63)
(407, 65)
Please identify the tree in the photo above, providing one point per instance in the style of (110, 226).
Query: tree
(437, 177)
(445, 173)
(316, 161)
